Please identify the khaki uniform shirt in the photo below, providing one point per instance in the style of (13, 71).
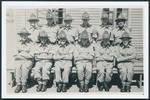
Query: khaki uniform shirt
(117, 33)
(71, 34)
(52, 32)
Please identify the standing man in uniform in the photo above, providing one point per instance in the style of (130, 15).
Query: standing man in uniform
(104, 58)
(43, 53)
(51, 28)
(84, 58)
(23, 60)
(71, 32)
(117, 32)
(63, 62)
(99, 30)
(85, 26)
(125, 53)
(34, 28)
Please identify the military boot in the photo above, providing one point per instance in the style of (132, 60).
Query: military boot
(24, 88)
(39, 87)
(64, 88)
(59, 87)
(123, 89)
(18, 88)
(106, 86)
(81, 88)
(44, 87)
(101, 86)
(128, 88)
(86, 88)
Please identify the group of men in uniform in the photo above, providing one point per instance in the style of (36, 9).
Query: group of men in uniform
(84, 47)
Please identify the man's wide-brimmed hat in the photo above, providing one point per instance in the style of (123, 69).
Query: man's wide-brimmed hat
(104, 15)
(84, 34)
(49, 15)
(62, 34)
(85, 15)
(125, 35)
(105, 35)
(33, 18)
(24, 31)
(43, 33)
(121, 17)
(68, 17)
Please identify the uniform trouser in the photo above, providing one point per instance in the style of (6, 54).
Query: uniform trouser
(84, 71)
(62, 71)
(105, 71)
(22, 68)
(42, 71)
(126, 72)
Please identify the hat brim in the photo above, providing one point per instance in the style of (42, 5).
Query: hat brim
(49, 17)
(120, 20)
(24, 33)
(126, 38)
(33, 20)
(68, 19)
(85, 18)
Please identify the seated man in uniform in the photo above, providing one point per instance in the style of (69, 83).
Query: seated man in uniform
(23, 60)
(63, 62)
(104, 58)
(43, 53)
(125, 54)
(84, 58)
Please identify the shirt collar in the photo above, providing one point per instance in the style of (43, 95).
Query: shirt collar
(123, 29)
(124, 47)
(67, 28)
(62, 46)
(25, 42)
(43, 45)
(104, 26)
(105, 46)
(33, 28)
(85, 26)
(50, 25)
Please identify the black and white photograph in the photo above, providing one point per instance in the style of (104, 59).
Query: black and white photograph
(75, 50)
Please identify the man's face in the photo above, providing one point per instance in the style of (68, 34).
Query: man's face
(68, 21)
(43, 40)
(63, 41)
(85, 21)
(50, 20)
(33, 23)
(84, 41)
(125, 41)
(105, 41)
(104, 21)
(121, 23)
(23, 37)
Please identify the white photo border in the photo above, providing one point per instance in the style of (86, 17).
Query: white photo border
(44, 4)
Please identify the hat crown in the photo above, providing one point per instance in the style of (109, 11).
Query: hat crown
(121, 16)
(43, 33)
(49, 14)
(84, 34)
(125, 35)
(85, 15)
(68, 17)
(24, 30)
(106, 35)
(32, 16)
(104, 15)
(62, 34)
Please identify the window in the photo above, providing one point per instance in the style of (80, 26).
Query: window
(110, 13)
(58, 15)
(124, 11)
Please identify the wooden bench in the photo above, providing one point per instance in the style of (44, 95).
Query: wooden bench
(138, 69)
